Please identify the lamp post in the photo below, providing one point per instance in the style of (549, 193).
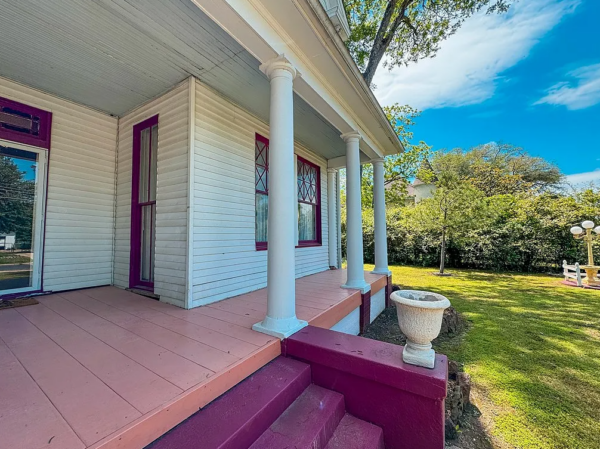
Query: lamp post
(584, 232)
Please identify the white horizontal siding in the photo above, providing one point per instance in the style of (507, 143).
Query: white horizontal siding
(171, 197)
(81, 189)
(225, 261)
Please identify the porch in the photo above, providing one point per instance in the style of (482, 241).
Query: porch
(107, 368)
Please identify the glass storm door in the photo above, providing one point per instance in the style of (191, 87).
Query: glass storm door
(143, 204)
(22, 195)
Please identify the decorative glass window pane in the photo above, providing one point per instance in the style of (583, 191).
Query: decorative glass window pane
(309, 208)
(307, 182)
(307, 222)
(261, 159)
(261, 181)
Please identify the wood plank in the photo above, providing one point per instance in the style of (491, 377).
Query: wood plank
(154, 424)
(330, 317)
(28, 420)
(378, 284)
(217, 340)
(91, 408)
(229, 317)
(197, 352)
(139, 386)
(172, 367)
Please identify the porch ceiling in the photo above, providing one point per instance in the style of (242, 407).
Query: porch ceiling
(114, 55)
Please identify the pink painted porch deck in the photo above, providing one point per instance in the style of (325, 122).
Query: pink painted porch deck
(106, 368)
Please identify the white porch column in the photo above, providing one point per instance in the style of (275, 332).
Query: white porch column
(381, 255)
(281, 318)
(354, 239)
(332, 216)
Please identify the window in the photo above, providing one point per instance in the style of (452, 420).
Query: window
(261, 180)
(143, 204)
(309, 203)
(24, 124)
(309, 197)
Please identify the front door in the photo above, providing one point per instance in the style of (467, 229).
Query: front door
(22, 195)
(143, 204)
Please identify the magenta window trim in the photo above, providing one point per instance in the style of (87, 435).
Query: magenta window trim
(135, 280)
(262, 187)
(261, 174)
(24, 124)
(304, 197)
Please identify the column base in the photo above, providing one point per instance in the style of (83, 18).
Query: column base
(280, 328)
(361, 285)
(383, 271)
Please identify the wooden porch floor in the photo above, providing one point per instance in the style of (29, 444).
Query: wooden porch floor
(106, 368)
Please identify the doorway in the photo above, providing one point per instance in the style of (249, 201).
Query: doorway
(22, 200)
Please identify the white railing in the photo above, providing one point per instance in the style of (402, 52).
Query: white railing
(573, 272)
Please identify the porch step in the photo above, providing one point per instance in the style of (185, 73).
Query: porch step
(308, 423)
(354, 433)
(240, 416)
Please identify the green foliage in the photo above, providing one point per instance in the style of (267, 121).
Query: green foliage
(406, 30)
(399, 168)
(526, 233)
(494, 169)
(16, 202)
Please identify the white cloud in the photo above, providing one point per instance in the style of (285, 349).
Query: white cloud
(468, 65)
(583, 93)
(583, 179)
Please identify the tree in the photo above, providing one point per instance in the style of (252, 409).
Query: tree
(399, 168)
(406, 30)
(451, 212)
(16, 202)
(494, 169)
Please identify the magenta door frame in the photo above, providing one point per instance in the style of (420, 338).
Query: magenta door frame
(135, 280)
(41, 140)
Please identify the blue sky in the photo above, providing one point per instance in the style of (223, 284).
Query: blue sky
(530, 78)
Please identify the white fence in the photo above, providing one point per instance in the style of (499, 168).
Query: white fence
(573, 272)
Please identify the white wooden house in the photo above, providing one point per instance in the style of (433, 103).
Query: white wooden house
(163, 139)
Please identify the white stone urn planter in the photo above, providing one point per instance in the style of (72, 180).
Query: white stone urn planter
(420, 315)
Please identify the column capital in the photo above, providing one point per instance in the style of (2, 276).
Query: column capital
(377, 160)
(278, 65)
(351, 136)
(332, 170)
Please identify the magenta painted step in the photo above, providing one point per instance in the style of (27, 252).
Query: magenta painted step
(240, 416)
(308, 423)
(354, 433)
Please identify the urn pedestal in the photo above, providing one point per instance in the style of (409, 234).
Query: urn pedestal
(420, 315)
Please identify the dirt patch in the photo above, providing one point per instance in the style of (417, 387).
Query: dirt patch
(385, 327)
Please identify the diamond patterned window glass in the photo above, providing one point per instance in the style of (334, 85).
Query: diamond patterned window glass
(307, 182)
(261, 159)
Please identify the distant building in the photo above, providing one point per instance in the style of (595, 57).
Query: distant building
(7, 241)
(420, 190)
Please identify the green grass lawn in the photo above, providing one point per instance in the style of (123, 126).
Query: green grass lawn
(13, 258)
(533, 352)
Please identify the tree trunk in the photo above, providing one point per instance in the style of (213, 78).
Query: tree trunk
(443, 251)
(384, 36)
(381, 43)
